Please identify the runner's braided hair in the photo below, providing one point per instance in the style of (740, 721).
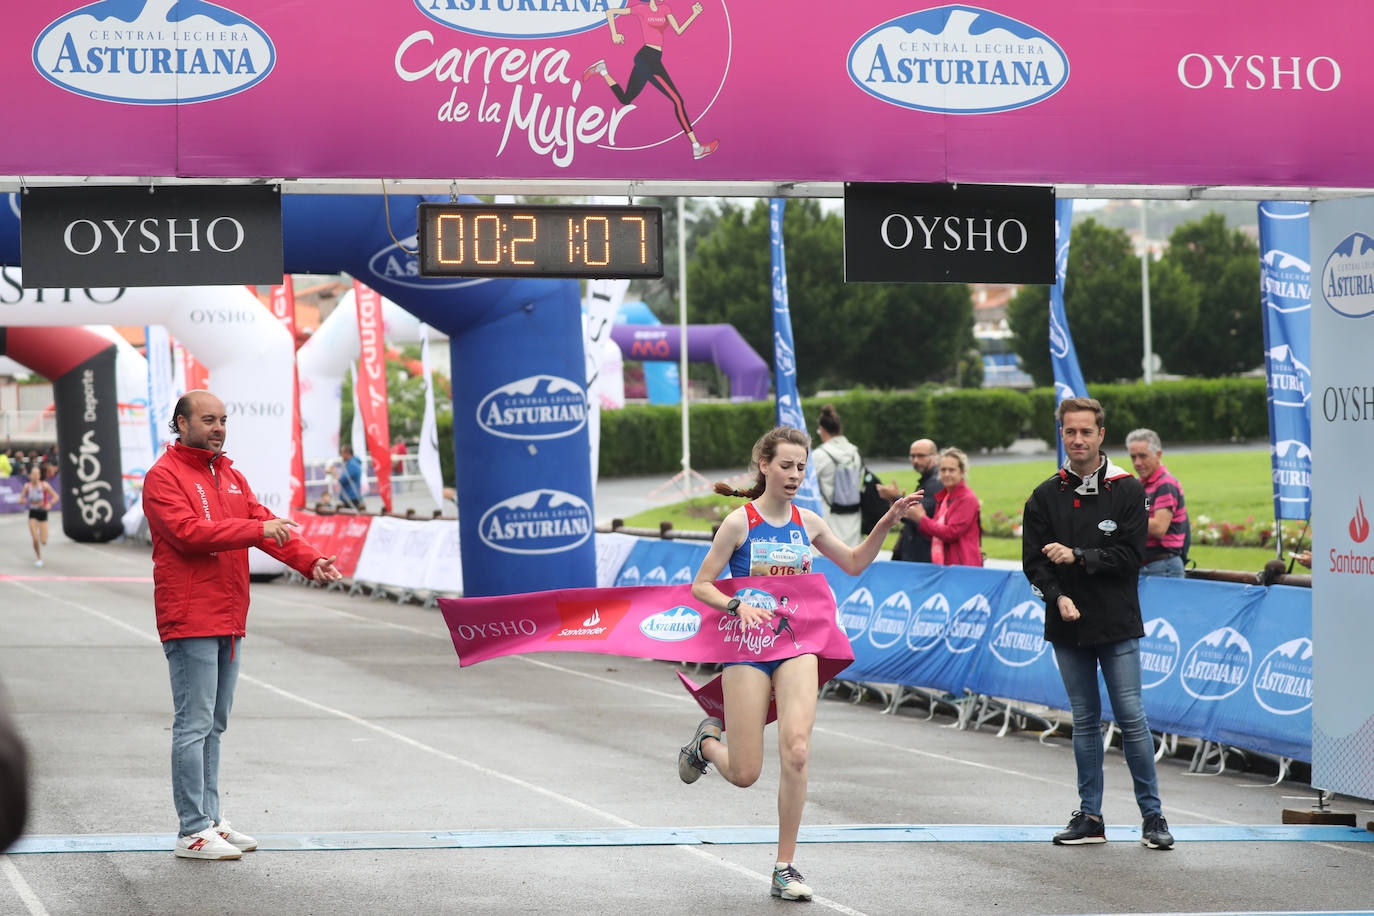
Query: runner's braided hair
(766, 449)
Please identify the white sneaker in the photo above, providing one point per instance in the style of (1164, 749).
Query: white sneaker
(240, 841)
(38, 563)
(205, 845)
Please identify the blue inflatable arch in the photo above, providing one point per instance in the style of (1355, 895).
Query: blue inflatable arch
(519, 390)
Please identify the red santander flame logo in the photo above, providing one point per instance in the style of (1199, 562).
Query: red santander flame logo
(1359, 524)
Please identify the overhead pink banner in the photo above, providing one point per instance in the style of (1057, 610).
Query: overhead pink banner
(1021, 91)
(657, 621)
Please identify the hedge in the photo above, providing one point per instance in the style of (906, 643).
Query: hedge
(646, 439)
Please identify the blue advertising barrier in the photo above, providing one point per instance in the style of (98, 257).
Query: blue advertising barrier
(1219, 661)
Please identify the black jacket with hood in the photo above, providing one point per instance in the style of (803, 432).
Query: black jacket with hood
(1105, 516)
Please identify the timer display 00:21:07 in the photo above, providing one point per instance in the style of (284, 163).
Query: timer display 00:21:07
(505, 240)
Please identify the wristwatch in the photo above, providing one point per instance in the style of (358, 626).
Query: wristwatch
(732, 607)
(1078, 553)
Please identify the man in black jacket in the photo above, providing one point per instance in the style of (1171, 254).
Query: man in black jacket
(1082, 543)
(912, 545)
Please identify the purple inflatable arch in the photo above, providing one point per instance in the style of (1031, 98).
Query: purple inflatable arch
(715, 343)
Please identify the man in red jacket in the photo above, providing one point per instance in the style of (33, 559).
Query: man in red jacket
(203, 517)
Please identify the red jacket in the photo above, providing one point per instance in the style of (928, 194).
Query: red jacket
(203, 518)
(958, 526)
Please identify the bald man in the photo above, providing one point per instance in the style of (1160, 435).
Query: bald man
(203, 517)
(925, 461)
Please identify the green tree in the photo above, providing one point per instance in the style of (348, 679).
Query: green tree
(881, 335)
(1103, 305)
(1226, 335)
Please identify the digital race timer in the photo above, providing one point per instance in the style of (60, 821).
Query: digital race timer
(515, 240)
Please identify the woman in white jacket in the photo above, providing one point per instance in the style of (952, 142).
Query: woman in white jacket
(839, 476)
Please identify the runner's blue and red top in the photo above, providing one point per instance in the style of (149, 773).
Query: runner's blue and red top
(771, 550)
(1162, 491)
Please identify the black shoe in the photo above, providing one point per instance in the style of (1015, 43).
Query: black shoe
(1082, 830)
(1154, 832)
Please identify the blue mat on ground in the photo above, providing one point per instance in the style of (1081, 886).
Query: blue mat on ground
(693, 836)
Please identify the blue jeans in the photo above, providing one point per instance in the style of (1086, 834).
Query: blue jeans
(204, 670)
(1120, 663)
(1171, 567)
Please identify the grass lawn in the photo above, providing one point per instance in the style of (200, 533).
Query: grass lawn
(1230, 486)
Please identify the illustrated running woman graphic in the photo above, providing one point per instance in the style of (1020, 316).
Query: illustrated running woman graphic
(784, 621)
(654, 17)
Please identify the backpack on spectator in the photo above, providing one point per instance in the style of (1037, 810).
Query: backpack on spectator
(872, 505)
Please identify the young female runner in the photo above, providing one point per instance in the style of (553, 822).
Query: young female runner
(747, 540)
(39, 495)
(654, 17)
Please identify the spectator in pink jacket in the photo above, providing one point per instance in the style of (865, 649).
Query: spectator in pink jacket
(956, 532)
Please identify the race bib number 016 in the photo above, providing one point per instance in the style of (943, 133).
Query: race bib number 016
(769, 558)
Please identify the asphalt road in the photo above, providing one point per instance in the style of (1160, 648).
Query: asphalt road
(382, 778)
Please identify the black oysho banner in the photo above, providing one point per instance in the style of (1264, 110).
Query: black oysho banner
(193, 235)
(948, 233)
(88, 450)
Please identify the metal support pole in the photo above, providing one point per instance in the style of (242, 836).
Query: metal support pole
(1149, 361)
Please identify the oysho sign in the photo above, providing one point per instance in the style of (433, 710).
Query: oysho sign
(946, 233)
(174, 236)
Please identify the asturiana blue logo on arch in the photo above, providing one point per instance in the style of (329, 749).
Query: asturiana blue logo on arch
(520, 18)
(958, 59)
(536, 522)
(535, 407)
(397, 263)
(154, 52)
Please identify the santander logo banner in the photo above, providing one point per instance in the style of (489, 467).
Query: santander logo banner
(636, 622)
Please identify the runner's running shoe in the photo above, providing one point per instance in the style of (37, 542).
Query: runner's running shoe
(1081, 831)
(690, 763)
(598, 68)
(788, 883)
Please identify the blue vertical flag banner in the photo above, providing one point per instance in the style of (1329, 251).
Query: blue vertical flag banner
(158, 347)
(785, 356)
(1286, 292)
(1068, 378)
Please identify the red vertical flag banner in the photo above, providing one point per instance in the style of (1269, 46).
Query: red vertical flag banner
(283, 305)
(371, 381)
(197, 376)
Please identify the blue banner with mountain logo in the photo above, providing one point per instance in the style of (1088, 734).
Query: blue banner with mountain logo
(789, 409)
(1286, 294)
(1068, 377)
